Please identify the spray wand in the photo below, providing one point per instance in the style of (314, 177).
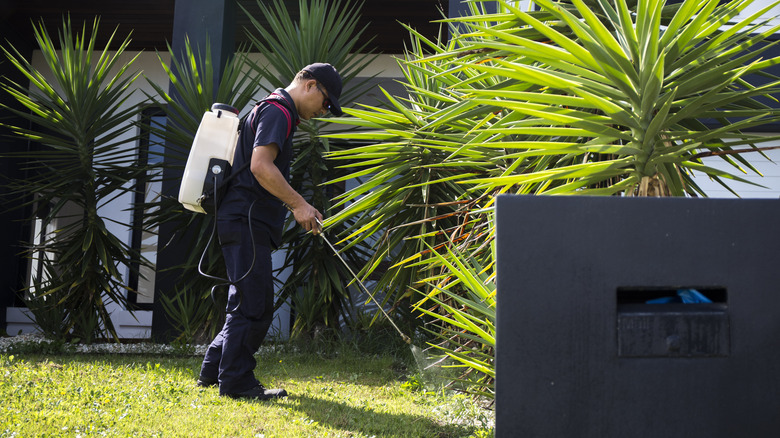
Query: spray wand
(365, 289)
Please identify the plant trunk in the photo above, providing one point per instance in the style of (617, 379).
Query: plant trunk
(651, 186)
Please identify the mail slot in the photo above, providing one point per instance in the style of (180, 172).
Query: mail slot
(649, 325)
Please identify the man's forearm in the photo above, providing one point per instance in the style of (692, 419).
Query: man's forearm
(272, 180)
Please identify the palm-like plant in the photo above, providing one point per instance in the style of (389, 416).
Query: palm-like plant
(78, 117)
(326, 31)
(599, 97)
(619, 96)
(412, 197)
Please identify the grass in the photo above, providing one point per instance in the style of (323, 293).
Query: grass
(344, 395)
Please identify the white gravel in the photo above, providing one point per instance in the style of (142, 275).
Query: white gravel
(7, 343)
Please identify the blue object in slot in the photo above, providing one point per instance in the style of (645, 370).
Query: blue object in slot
(685, 296)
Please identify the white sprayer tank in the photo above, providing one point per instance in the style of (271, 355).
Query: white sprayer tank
(216, 138)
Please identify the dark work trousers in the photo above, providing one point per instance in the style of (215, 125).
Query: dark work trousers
(230, 357)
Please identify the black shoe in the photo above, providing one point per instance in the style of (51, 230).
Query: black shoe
(259, 392)
(205, 382)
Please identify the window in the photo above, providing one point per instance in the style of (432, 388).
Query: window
(42, 232)
(146, 194)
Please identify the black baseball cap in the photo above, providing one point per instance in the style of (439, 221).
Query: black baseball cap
(327, 75)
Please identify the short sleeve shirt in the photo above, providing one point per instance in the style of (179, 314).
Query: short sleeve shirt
(271, 123)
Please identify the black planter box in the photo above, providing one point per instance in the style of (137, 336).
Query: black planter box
(580, 352)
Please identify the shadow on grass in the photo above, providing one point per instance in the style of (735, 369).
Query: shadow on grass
(370, 422)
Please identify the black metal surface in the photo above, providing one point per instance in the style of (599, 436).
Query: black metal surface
(564, 369)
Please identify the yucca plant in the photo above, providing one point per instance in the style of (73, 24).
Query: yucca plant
(83, 158)
(408, 199)
(324, 31)
(577, 98)
(620, 96)
(192, 78)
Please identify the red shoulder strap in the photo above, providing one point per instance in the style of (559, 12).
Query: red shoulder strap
(276, 100)
(286, 114)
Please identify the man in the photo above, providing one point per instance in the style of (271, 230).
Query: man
(250, 224)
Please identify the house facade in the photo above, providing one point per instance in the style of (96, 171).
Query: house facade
(155, 22)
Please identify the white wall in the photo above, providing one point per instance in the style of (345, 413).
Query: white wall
(769, 168)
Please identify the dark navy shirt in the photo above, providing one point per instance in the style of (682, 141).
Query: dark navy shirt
(272, 124)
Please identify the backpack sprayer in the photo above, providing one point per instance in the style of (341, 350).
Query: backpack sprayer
(206, 173)
(209, 164)
(211, 157)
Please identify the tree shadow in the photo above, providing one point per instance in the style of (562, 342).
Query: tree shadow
(367, 421)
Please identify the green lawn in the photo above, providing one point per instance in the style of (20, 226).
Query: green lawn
(346, 395)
